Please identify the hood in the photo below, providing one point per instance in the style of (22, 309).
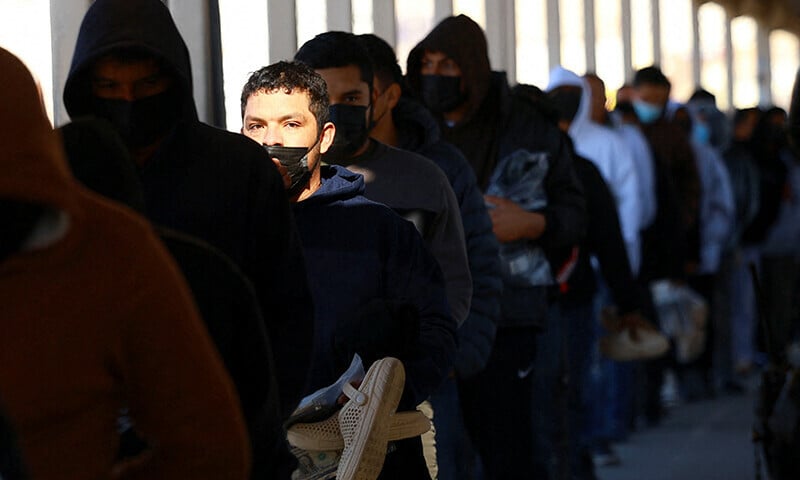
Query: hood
(417, 127)
(32, 163)
(463, 40)
(338, 184)
(143, 25)
(561, 77)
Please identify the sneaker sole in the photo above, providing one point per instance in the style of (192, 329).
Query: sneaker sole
(363, 457)
(326, 435)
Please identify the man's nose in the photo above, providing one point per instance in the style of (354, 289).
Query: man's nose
(272, 137)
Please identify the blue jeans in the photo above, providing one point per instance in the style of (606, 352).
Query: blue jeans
(549, 403)
(581, 325)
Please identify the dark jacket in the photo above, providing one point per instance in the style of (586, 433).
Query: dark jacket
(211, 184)
(415, 188)
(419, 133)
(672, 150)
(604, 241)
(746, 187)
(224, 297)
(383, 292)
(495, 128)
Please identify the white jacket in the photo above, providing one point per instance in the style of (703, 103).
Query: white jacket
(612, 156)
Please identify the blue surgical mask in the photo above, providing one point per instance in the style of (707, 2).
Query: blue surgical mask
(701, 133)
(647, 112)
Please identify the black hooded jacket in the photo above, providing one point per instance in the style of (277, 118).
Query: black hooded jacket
(225, 298)
(215, 185)
(419, 133)
(497, 126)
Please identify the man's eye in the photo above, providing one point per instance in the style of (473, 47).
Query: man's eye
(254, 126)
(293, 125)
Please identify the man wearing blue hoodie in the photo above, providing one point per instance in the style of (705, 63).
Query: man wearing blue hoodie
(379, 290)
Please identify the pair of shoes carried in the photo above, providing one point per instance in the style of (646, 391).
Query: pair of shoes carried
(366, 423)
(631, 337)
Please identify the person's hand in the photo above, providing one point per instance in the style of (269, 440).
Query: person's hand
(287, 182)
(510, 222)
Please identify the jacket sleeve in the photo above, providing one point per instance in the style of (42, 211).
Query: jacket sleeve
(566, 207)
(476, 335)
(179, 395)
(604, 240)
(276, 266)
(629, 205)
(415, 278)
(448, 247)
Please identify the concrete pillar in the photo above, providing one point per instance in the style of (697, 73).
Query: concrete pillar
(282, 21)
(340, 15)
(192, 19)
(764, 67)
(729, 59)
(553, 34)
(589, 35)
(655, 16)
(501, 35)
(627, 40)
(696, 53)
(384, 21)
(441, 10)
(65, 21)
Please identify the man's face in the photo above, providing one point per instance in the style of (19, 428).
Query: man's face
(653, 94)
(351, 112)
(345, 86)
(113, 79)
(437, 63)
(280, 118)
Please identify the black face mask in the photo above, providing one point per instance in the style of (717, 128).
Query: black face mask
(140, 122)
(440, 93)
(295, 160)
(351, 132)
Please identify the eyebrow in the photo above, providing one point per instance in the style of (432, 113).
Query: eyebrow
(355, 91)
(288, 116)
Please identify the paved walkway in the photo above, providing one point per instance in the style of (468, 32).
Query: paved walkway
(706, 440)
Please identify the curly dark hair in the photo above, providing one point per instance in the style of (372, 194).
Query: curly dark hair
(289, 77)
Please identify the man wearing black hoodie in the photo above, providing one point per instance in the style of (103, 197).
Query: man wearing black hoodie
(408, 183)
(403, 122)
(131, 67)
(383, 292)
(503, 141)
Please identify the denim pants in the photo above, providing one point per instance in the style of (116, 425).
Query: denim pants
(549, 403)
(581, 326)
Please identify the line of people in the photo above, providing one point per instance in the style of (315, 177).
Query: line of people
(458, 236)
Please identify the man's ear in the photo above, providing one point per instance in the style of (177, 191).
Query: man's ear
(373, 95)
(393, 94)
(328, 132)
